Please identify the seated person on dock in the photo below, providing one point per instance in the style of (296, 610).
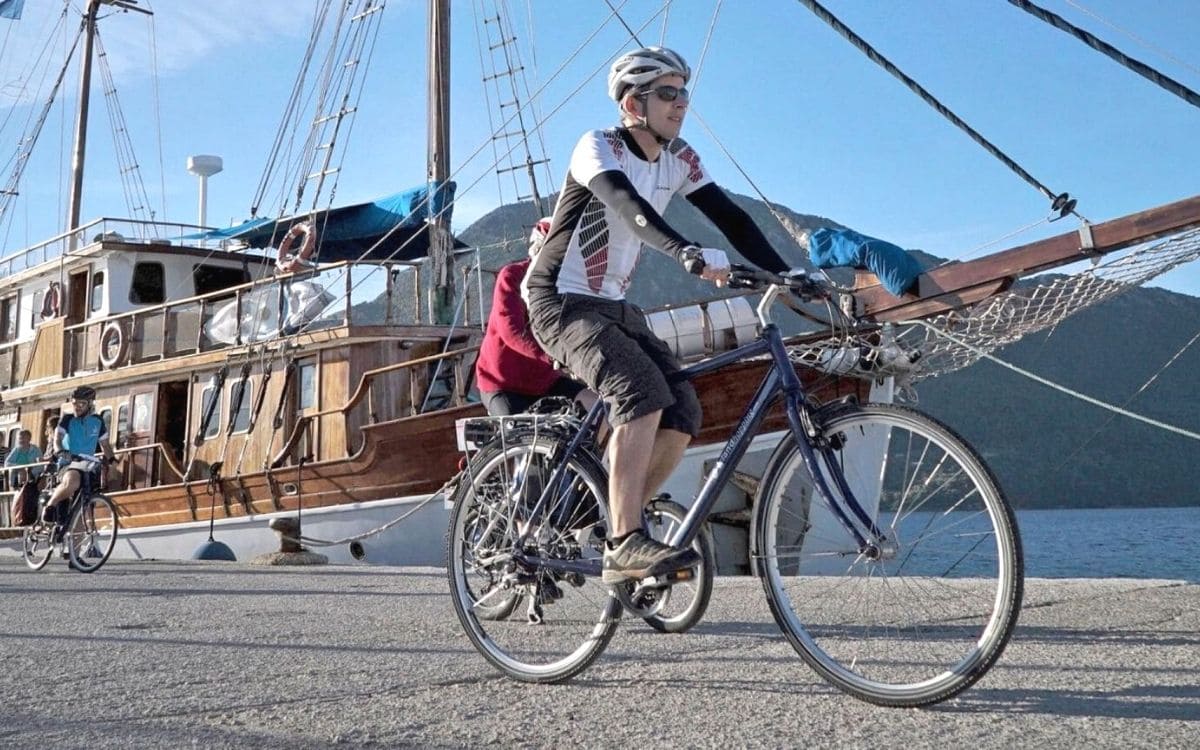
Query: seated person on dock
(81, 434)
(512, 370)
(24, 454)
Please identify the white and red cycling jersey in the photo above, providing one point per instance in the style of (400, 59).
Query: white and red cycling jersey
(612, 203)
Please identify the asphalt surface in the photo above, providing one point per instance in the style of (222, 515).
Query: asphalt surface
(167, 655)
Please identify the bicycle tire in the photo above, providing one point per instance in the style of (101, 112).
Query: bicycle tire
(663, 516)
(504, 603)
(577, 615)
(91, 533)
(36, 547)
(954, 536)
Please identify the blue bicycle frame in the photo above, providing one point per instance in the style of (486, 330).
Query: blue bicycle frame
(781, 377)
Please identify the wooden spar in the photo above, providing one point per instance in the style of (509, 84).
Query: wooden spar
(959, 284)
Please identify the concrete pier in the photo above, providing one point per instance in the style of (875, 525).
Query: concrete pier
(148, 654)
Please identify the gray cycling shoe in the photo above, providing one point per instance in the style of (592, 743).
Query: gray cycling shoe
(638, 556)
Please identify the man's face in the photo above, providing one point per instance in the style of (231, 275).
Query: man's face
(81, 407)
(23, 440)
(665, 117)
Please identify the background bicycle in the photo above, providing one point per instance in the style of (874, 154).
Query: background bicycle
(888, 553)
(85, 528)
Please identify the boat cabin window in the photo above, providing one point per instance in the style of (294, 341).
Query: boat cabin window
(214, 426)
(122, 425)
(307, 377)
(106, 415)
(215, 278)
(8, 318)
(149, 285)
(97, 293)
(35, 312)
(241, 419)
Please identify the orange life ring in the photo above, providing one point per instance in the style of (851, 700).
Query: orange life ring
(301, 232)
(51, 301)
(113, 345)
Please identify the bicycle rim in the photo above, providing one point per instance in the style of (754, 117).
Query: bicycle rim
(92, 533)
(927, 617)
(677, 608)
(36, 547)
(575, 615)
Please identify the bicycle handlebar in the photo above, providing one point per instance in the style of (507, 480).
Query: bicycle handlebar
(744, 277)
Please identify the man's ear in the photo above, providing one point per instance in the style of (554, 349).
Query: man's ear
(631, 105)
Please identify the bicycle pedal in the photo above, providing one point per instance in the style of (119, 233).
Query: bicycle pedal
(675, 576)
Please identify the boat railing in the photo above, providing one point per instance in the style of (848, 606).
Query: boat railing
(457, 366)
(333, 295)
(144, 466)
(104, 228)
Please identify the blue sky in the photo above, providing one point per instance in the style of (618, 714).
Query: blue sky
(815, 124)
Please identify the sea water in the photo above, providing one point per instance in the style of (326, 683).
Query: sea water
(1111, 543)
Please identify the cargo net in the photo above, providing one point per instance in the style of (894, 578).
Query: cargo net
(910, 352)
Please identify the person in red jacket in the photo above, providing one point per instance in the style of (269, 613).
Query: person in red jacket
(512, 371)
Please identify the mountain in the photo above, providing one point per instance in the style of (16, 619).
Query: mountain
(1047, 448)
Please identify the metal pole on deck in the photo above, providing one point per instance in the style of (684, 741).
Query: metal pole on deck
(441, 258)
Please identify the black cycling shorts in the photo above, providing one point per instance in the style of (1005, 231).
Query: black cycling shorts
(608, 345)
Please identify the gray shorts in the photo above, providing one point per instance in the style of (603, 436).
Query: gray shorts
(607, 345)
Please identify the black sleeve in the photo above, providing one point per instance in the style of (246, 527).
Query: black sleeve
(737, 225)
(614, 190)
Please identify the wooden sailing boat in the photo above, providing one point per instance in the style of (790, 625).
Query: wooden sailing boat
(349, 419)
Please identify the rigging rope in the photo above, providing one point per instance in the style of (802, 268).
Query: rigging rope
(1137, 66)
(712, 24)
(1051, 384)
(1060, 202)
(1129, 400)
(1134, 37)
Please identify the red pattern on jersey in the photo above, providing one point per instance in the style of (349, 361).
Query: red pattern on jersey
(692, 159)
(614, 141)
(596, 266)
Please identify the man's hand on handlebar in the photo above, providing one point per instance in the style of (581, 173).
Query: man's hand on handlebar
(709, 263)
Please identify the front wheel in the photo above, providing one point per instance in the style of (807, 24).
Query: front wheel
(92, 533)
(36, 546)
(921, 611)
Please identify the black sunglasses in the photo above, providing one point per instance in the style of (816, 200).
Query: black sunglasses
(666, 92)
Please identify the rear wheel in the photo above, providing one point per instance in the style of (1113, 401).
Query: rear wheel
(557, 622)
(92, 533)
(919, 616)
(36, 546)
(676, 608)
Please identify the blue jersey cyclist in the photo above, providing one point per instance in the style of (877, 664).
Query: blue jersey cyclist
(617, 186)
(80, 434)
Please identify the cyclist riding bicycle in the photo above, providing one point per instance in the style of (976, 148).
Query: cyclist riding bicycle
(617, 186)
(78, 434)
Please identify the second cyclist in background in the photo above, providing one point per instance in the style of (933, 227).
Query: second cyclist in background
(81, 433)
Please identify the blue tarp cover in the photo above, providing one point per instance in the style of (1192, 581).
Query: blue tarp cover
(833, 248)
(345, 233)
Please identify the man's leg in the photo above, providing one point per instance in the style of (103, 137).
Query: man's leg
(631, 451)
(669, 446)
(65, 488)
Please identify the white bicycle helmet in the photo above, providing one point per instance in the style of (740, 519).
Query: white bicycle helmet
(641, 66)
